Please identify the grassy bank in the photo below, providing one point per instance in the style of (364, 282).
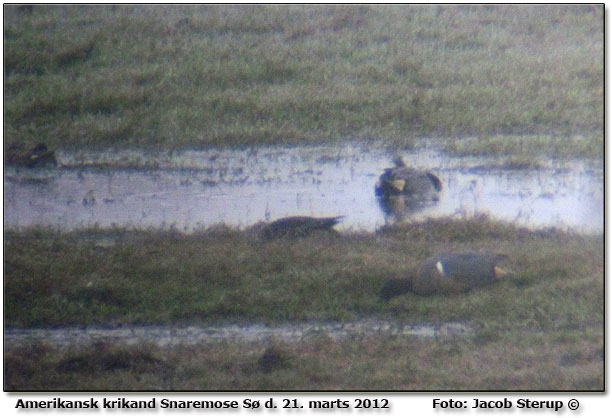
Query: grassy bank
(540, 330)
(215, 75)
(55, 279)
(552, 360)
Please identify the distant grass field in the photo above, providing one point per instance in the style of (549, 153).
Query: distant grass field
(218, 75)
(541, 329)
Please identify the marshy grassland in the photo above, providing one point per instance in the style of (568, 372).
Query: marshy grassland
(540, 329)
(217, 75)
(519, 361)
(523, 82)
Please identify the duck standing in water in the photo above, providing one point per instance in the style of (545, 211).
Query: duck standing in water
(401, 180)
(298, 226)
(451, 272)
(36, 156)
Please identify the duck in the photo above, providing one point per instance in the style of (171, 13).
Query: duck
(36, 156)
(298, 226)
(407, 182)
(449, 273)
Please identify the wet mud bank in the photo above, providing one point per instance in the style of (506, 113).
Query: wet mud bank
(164, 336)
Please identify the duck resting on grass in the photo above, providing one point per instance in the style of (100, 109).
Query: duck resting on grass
(451, 272)
(401, 180)
(298, 226)
(36, 156)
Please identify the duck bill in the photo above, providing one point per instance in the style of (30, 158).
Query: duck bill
(499, 272)
(398, 185)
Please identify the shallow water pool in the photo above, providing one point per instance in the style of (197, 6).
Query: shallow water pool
(188, 190)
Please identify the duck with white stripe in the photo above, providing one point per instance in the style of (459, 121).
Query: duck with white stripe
(452, 272)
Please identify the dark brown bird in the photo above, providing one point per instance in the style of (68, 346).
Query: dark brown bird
(408, 182)
(36, 156)
(448, 273)
(298, 226)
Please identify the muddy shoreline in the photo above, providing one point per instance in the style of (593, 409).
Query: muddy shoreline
(165, 336)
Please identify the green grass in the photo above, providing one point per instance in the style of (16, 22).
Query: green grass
(528, 150)
(55, 279)
(218, 75)
(542, 329)
(517, 360)
(523, 82)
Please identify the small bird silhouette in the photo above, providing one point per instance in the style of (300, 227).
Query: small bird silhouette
(36, 156)
(298, 226)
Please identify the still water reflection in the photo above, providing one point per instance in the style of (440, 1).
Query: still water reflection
(193, 189)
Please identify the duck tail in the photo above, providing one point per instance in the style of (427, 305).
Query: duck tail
(325, 223)
(395, 287)
(435, 181)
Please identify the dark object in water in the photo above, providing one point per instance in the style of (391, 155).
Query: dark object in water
(298, 226)
(448, 273)
(408, 182)
(89, 199)
(37, 156)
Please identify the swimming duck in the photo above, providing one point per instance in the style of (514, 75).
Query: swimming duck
(451, 272)
(36, 156)
(402, 180)
(298, 226)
